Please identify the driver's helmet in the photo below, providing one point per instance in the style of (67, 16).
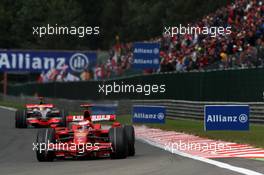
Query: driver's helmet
(41, 100)
(87, 115)
(83, 125)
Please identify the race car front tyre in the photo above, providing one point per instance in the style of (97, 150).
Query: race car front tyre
(44, 137)
(130, 135)
(21, 120)
(119, 143)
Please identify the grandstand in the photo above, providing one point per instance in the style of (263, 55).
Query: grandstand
(244, 48)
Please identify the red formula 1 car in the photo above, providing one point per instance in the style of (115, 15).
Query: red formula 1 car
(40, 115)
(84, 138)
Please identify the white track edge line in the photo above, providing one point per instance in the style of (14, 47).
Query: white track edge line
(8, 108)
(205, 160)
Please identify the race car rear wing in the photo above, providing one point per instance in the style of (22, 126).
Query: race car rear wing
(99, 112)
(94, 118)
(86, 105)
(39, 105)
(108, 117)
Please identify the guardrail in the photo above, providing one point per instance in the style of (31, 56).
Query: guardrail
(69, 105)
(195, 109)
(175, 108)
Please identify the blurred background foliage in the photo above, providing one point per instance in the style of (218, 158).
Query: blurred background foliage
(131, 20)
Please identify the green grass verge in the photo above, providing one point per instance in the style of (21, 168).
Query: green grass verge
(11, 104)
(255, 136)
(260, 159)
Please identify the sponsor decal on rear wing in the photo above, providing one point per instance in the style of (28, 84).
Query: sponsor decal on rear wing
(86, 105)
(38, 105)
(94, 118)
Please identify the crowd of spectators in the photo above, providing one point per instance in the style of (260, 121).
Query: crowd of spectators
(63, 75)
(119, 60)
(243, 48)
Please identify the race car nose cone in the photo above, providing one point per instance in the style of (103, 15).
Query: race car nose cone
(80, 137)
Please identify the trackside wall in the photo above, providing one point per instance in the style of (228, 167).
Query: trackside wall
(229, 85)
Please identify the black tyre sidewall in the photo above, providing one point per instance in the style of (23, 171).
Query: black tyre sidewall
(21, 120)
(130, 135)
(43, 136)
(119, 143)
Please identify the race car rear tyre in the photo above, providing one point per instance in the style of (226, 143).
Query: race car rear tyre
(64, 115)
(21, 120)
(44, 137)
(119, 143)
(130, 135)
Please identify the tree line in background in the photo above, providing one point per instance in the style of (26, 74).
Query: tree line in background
(131, 20)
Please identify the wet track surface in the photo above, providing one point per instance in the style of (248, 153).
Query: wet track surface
(17, 157)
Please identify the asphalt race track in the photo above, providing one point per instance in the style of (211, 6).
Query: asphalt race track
(17, 158)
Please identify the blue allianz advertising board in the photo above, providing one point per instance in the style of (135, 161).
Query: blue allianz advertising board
(38, 61)
(148, 114)
(226, 117)
(146, 55)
